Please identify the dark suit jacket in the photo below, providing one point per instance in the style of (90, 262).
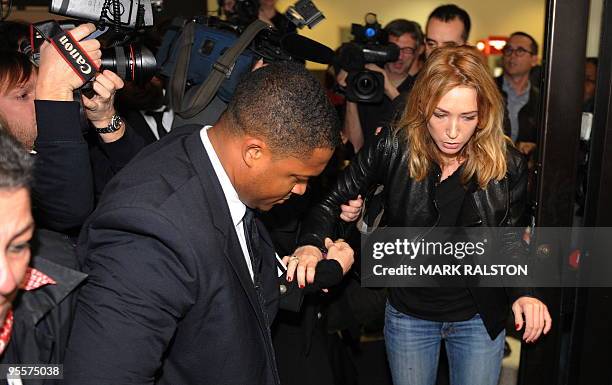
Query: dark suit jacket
(169, 299)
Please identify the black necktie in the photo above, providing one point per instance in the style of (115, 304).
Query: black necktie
(158, 116)
(252, 240)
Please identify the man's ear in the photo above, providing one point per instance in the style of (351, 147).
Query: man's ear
(253, 151)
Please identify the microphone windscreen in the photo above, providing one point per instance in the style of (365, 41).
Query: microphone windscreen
(307, 49)
(350, 57)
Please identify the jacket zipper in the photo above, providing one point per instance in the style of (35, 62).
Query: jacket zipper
(507, 201)
(435, 202)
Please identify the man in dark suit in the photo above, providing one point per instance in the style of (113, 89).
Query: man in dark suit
(183, 282)
(145, 110)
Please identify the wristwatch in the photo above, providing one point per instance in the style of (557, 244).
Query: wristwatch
(113, 126)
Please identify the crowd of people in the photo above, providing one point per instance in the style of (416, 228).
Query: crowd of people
(137, 251)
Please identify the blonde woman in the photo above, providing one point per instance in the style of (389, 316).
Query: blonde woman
(445, 163)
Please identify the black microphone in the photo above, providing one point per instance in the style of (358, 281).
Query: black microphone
(307, 49)
(350, 58)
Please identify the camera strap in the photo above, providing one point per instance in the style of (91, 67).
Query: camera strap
(222, 70)
(67, 47)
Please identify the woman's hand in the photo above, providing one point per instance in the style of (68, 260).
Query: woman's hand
(341, 252)
(351, 210)
(304, 260)
(533, 314)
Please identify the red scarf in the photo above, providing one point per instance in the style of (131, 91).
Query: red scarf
(33, 280)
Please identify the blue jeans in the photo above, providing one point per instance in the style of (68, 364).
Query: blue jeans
(413, 350)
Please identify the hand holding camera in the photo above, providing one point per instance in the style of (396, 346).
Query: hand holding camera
(99, 108)
(388, 87)
(56, 79)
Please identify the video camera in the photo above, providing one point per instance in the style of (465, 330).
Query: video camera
(119, 23)
(302, 13)
(192, 50)
(369, 45)
(122, 14)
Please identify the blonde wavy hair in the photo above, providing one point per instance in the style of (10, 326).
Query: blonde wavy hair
(485, 153)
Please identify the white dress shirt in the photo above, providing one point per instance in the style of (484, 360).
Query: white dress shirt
(167, 120)
(236, 207)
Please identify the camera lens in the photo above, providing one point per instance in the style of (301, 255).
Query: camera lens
(131, 63)
(365, 87)
(366, 84)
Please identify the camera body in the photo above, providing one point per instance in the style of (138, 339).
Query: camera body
(130, 61)
(302, 13)
(369, 45)
(117, 34)
(132, 14)
(245, 12)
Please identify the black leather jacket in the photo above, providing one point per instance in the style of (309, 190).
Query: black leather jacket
(410, 203)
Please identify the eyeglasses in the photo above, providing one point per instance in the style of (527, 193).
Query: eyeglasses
(408, 50)
(520, 51)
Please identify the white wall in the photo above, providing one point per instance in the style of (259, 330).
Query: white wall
(489, 17)
(595, 13)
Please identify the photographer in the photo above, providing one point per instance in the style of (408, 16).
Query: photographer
(67, 161)
(361, 120)
(111, 143)
(264, 10)
(145, 109)
(63, 190)
(269, 14)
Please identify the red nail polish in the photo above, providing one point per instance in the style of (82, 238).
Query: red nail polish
(517, 326)
(301, 286)
(289, 279)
